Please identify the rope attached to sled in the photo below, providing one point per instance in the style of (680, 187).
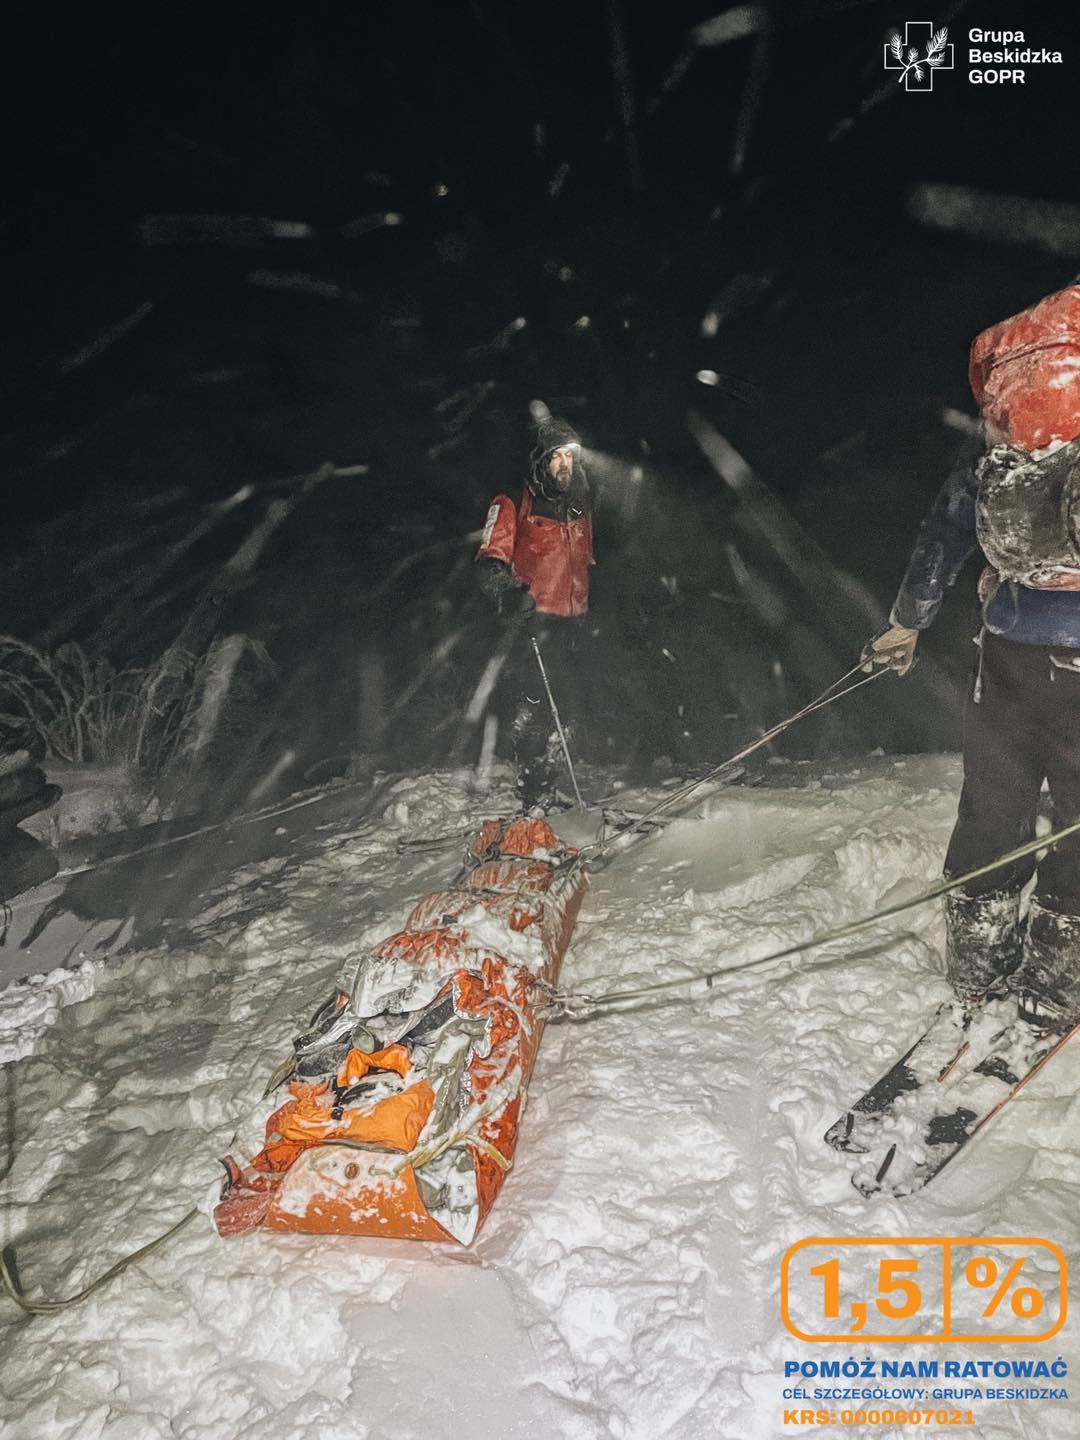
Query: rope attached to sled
(249, 817)
(839, 690)
(415, 1159)
(555, 1004)
(47, 1307)
(574, 1005)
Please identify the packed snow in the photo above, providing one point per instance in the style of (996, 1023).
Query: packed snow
(627, 1281)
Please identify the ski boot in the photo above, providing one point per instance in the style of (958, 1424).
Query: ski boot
(538, 800)
(1047, 983)
(983, 941)
(529, 787)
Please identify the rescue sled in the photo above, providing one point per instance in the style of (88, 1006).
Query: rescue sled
(402, 1100)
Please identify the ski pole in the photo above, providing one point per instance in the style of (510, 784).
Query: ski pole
(558, 723)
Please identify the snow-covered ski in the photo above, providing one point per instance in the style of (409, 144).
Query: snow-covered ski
(928, 1060)
(956, 1077)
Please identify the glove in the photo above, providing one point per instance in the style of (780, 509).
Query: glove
(494, 577)
(894, 647)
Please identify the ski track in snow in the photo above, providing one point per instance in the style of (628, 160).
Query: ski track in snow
(627, 1282)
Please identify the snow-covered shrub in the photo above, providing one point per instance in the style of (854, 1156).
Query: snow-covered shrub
(157, 720)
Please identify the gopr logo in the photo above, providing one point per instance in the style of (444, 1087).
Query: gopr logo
(923, 50)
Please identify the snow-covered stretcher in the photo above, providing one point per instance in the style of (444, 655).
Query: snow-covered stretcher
(405, 1094)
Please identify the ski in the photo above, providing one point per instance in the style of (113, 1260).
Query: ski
(933, 1055)
(931, 1103)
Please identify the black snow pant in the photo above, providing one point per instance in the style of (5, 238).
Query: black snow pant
(541, 766)
(1021, 727)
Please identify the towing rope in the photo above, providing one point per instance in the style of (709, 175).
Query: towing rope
(838, 690)
(556, 1004)
(244, 817)
(249, 817)
(46, 1307)
(575, 1005)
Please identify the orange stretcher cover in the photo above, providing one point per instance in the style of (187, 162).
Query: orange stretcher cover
(400, 1115)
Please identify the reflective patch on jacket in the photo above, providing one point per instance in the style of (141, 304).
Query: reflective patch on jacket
(489, 525)
(500, 530)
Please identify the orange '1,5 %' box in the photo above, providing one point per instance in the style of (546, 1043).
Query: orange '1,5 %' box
(904, 1288)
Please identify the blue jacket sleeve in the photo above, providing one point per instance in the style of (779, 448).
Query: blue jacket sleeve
(946, 539)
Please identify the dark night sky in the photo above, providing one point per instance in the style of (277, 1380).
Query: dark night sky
(287, 111)
(294, 116)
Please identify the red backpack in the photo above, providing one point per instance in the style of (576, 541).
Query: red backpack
(1025, 372)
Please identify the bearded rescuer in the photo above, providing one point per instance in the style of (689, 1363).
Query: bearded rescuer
(1018, 501)
(539, 550)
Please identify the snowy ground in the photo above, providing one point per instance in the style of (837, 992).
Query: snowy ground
(627, 1283)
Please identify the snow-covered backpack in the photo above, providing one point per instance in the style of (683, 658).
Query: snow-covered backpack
(1027, 515)
(1025, 375)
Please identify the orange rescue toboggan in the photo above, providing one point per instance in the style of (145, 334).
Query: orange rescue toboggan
(406, 1092)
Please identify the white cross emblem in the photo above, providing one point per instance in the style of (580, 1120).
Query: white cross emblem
(916, 71)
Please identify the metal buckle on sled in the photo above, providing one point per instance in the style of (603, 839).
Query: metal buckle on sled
(563, 1004)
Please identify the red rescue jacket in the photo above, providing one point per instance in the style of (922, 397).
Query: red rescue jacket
(552, 557)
